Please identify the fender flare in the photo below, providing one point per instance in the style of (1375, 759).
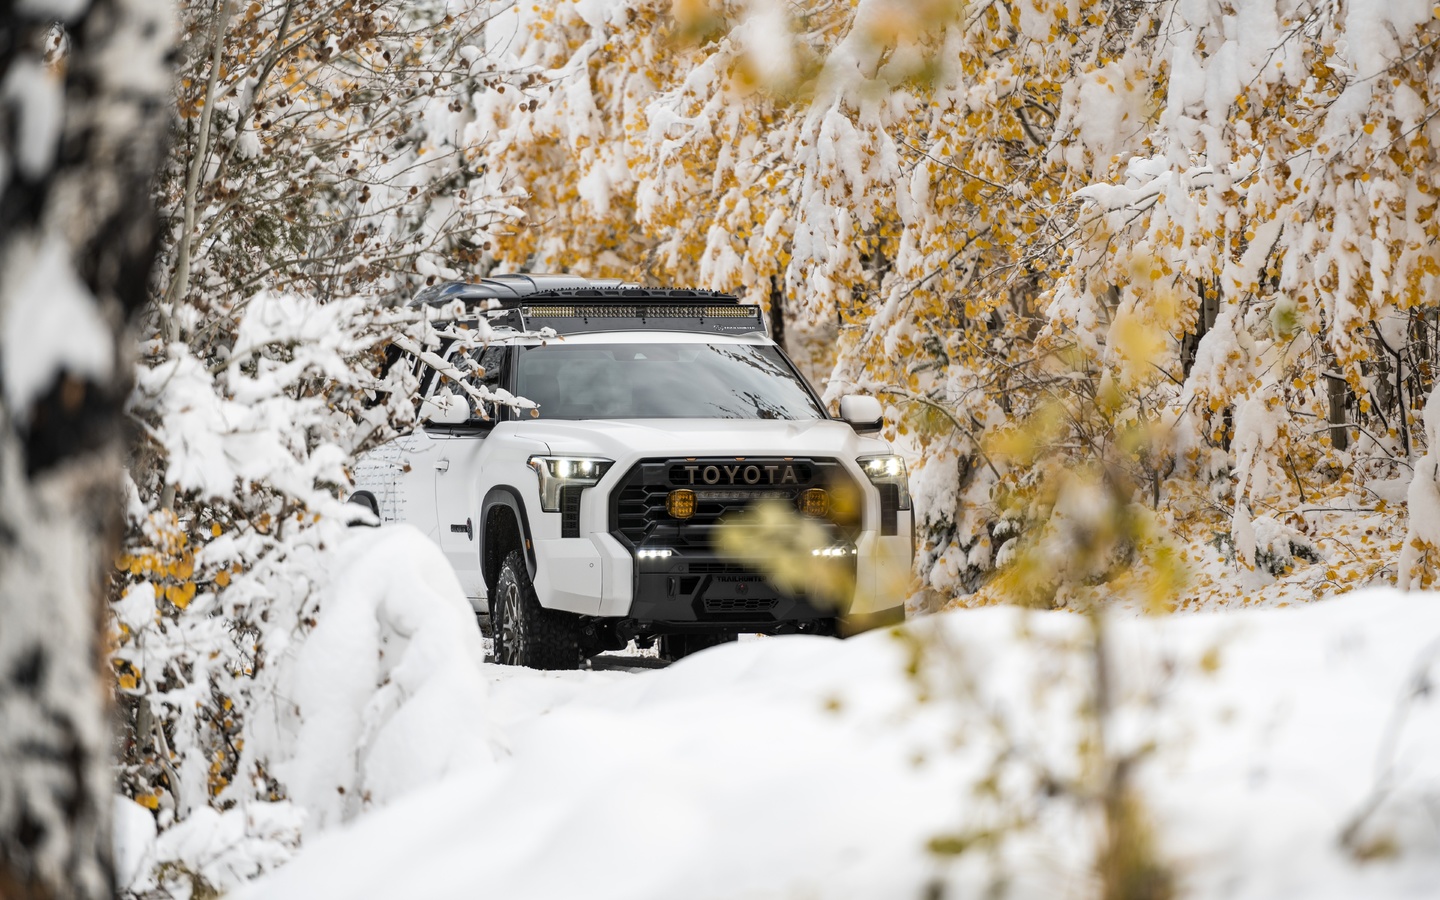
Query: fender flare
(508, 497)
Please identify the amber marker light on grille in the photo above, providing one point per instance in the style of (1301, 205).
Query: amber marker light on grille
(815, 502)
(680, 504)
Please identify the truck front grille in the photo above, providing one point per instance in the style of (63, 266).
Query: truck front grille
(637, 509)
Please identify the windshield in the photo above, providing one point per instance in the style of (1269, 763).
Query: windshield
(662, 381)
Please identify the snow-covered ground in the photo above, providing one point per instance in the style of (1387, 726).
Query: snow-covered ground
(809, 767)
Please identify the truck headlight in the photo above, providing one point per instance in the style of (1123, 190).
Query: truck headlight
(557, 472)
(888, 474)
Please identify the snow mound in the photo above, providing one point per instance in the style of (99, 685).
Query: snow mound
(807, 767)
(384, 695)
(388, 686)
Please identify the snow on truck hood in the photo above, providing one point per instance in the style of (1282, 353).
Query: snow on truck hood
(628, 439)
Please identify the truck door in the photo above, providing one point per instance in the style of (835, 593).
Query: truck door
(401, 473)
(458, 478)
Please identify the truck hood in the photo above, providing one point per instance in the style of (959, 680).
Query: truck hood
(628, 440)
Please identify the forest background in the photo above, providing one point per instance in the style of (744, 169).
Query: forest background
(1148, 288)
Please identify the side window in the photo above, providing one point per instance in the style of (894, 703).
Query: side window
(427, 377)
(487, 365)
(394, 365)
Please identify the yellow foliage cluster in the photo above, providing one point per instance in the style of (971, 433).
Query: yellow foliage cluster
(168, 562)
(1028, 236)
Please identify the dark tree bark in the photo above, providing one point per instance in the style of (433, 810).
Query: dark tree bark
(777, 313)
(77, 241)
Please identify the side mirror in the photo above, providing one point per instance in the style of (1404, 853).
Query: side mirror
(445, 409)
(865, 414)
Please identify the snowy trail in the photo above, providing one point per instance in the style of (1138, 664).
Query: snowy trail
(810, 767)
(807, 767)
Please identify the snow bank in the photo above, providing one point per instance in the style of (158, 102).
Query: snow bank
(220, 850)
(384, 695)
(810, 767)
(388, 687)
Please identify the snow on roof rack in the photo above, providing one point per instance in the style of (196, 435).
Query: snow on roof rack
(634, 294)
(512, 291)
(569, 304)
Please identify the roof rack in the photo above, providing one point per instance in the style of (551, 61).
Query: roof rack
(569, 304)
(630, 293)
(510, 291)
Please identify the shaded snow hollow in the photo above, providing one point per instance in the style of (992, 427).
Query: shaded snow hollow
(810, 767)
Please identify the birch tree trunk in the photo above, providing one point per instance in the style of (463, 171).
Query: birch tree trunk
(79, 144)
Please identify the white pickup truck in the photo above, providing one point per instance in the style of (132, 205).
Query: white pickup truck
(660, 414)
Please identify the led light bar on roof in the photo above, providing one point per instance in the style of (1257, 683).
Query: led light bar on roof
(641, 312)
(571, 304)
(577, 318)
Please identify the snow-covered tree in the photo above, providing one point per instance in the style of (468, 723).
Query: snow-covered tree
(317, 177)
(82, 113)
(1193, 241)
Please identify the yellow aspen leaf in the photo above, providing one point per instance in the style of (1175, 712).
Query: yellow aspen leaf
(222, 578)
(149, 801)
(215, 529)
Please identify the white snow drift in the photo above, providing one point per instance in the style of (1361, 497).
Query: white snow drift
(808, 767)
(387, 694)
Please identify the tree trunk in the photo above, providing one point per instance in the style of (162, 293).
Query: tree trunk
(1337, 392)
(777, 312)
(180, 281)
(77, 241)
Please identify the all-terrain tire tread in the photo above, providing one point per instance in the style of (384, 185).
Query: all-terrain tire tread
(553, 635)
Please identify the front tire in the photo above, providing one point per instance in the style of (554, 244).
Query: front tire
(526, 633)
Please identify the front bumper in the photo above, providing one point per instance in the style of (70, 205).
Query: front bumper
(714, 592)
(602, 572)
(597, 575)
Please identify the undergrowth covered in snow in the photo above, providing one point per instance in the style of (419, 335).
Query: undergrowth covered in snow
(384, 694)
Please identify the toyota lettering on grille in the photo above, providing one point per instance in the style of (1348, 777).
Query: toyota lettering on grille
(741, 474)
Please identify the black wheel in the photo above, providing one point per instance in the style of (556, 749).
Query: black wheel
(679, 646)
(365, 500)
(526, 633)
